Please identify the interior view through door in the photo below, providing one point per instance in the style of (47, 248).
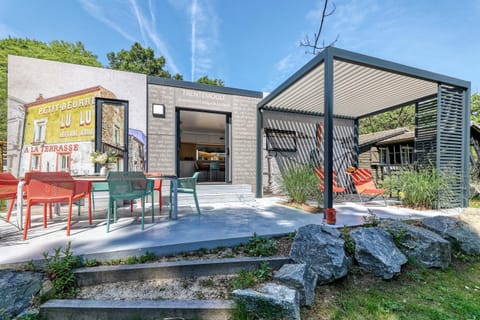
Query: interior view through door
(204, 145)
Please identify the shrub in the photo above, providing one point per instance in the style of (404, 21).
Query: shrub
(260, 247)
(300, 183)
(424, 188)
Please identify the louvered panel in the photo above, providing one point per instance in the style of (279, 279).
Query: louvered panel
(426, 133)
(451, 137)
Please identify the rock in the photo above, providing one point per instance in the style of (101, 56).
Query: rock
(456, 231)
(271, 302)
(16, 291)
(376, 252)
(300, 277)
(322, 249)
(426, 247)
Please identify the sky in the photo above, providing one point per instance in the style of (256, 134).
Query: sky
(255, 44)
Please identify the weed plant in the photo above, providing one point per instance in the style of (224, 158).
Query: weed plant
(260, 247)
(301, 184)
(59, 270)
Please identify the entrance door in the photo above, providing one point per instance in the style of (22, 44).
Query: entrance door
(111, 131)
(203, 143)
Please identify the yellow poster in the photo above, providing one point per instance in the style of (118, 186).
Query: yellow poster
(66, 119)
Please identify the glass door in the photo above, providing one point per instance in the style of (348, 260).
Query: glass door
(111, 131)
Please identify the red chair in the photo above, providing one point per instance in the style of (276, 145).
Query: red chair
(320, 173)
(53, 187)
(8, 191)
(365, 185)
(155, 185)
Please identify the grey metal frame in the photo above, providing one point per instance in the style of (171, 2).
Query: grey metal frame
(327, 57)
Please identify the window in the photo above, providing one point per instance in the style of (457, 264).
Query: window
(383, 155)
(40, 128)
(281, 140)
(407, 155)
(63, 162)
(36, 162)
(116, 135)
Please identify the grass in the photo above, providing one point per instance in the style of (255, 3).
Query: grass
(417, 293)
(474, 202)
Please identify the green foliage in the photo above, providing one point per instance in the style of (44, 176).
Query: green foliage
(214, 82)
(475, 107)
(260, 247)
(248, 278)
(401, 117)
(419, 188)
(300, 183)
(91, 263)
(56, 50)
(140, 60)
(349, 244)
(59, 270)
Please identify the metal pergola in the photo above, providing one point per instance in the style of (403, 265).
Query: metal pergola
(342, 84)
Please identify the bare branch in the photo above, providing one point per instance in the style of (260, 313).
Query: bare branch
(314, 46)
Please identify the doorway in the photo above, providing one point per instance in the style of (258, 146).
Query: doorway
(203, 145)
(111, 131)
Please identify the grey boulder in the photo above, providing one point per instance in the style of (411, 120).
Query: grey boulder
(376, 252)
(322, 249)
(300, 277)
(426, 247)
(456, 231)
(270, 302)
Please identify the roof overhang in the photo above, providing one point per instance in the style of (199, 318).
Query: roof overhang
(362, 85)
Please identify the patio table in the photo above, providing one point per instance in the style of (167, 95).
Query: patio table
(174, 179)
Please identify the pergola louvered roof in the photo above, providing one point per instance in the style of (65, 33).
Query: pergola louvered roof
(362, 85)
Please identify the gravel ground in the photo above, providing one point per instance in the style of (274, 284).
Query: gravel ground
(201, 288)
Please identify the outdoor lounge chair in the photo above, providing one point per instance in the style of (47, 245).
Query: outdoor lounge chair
(8, 191)
(126, 186)
(365, 185)
(320, 173)
(186, 185)
(52, 187)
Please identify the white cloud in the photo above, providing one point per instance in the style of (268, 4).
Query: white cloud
(146, 25)
(204, 37)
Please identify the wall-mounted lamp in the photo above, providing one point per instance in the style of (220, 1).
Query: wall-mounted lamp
(158, 110)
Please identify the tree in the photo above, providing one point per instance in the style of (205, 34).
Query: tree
(215, 82)
(56, 50)
(401, 117)
(140, 60)
(475, 107)
(315, 47)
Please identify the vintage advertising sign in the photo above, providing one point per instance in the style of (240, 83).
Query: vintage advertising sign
(59, 132)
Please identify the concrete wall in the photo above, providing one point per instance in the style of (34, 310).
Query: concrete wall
(161, 131)
(28, 77)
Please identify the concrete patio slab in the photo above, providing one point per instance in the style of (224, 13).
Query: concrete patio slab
(218, 225)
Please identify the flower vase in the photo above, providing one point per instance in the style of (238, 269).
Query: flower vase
(103, 171)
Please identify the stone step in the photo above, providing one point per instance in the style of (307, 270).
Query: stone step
(137, 309)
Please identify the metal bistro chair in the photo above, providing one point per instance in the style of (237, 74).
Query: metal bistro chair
(126, 186)
(51, 187)
(185, 185)
(155, 185)
(8, 191)
(214, 168)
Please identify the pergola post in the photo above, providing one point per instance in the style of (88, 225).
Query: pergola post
(328, 133)
(259, 184)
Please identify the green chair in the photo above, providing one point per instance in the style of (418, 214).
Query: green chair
(126, 186)
(185, 185)
(100, 186)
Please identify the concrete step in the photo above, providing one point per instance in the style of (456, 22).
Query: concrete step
(207, 194)
(154, 309)
(137, 309)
